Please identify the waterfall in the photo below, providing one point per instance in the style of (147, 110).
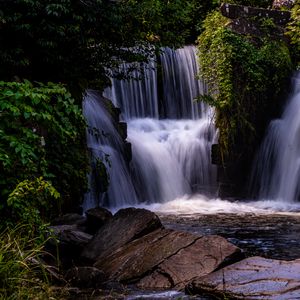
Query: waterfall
(276, 171)
(171, 134)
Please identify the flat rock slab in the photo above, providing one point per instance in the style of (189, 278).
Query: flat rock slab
(125, 226)
(253, 278)
(167, 258)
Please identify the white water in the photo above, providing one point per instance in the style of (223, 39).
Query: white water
(106, 145)
(277, 169)
(180, 85)
(171, 158)
(137, 97)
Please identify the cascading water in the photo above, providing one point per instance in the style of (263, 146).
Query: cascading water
(277, 169)
(171, 155)
(170, 137)
(171, 145)
(180, 85)
(106, 146)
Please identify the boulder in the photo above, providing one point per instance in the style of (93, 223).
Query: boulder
(253, 278)
(126, 225)
(85, 277)
(69, 241)
(96, 218)
(200, 258)
(167, 259)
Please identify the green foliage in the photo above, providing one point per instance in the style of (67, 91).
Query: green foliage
(245, 76)
(75, 41)
(293, 32)
(22, 275)
(41, 134)
(32, 202)
(168, 22)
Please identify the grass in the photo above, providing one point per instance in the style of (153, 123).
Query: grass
(22, 274)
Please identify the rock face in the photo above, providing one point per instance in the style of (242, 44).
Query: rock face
(167, 259)
(126, 225)
(253, 278)
(249, 20)
(233, 11)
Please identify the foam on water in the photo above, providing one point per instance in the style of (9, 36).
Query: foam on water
(201, 204)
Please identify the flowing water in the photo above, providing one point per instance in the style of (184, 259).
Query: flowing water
(106, 146)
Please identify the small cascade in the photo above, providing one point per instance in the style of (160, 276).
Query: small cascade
(171, 158)
(277, 168)
(171, 137)
(137, 97)
(180, 84)
(106, 146)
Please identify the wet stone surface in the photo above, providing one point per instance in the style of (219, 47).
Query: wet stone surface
(272, 236)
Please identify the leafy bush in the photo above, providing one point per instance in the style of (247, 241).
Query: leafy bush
(41, 134)
(32, 202)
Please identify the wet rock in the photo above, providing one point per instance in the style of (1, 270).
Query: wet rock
(167, 258)
(252, 278)
(85, 277)
(96, 218)
(126, 225)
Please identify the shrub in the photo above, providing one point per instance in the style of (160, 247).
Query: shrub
(42, 133)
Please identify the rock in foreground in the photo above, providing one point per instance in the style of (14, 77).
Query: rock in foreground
(253, 278)
(125, 226)
(167, 259)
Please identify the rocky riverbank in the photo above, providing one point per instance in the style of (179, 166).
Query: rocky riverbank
(102, 253)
